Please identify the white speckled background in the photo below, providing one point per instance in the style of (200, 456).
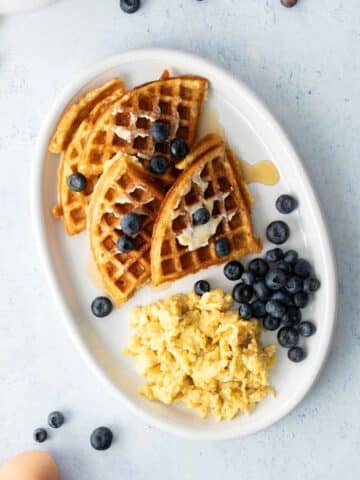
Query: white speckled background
(304, 62)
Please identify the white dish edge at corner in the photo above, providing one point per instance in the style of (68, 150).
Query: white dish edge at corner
(38, 213)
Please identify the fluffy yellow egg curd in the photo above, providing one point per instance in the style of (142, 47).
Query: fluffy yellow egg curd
(198, 351)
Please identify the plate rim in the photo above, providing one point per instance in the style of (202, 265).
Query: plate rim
(38, 222)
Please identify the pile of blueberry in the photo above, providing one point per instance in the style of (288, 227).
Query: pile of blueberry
(100, 439)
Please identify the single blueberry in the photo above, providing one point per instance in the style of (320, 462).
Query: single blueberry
(259, 267)
(248, 278)
(282, 295)
(288, 337)
(261, 291)
(258, 309)
(271, 323)
(296, 354)
(222, 247)
(275, 279)
(277, 232)
(101, 438)
(286, 204)
(56, 419)
(302, 268)
(101, 307)
(242, 293)
(291, 317)
(233, 270)
(159, 164)
(40, 435)
(291, 257)
(130, 6)
(201, 287)
(160, 132)
(125, 244)
(285, 267)
(201, 216)
(179, 148)
(245, 311)
(306, 329)
(274, 255)
(131, 223)
(301, 299)
(275, 308)
(294, 285)
(311, 285)
(77, 182)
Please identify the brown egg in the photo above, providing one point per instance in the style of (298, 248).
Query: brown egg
(30, 466)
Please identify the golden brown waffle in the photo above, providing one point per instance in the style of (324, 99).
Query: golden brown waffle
(126, 126)
(72, 205)
(180, 248)
(123, 187)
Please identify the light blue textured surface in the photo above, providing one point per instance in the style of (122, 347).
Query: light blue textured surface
(304, 63)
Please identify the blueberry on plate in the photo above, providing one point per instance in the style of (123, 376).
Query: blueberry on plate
(286, 204)
(222, 247)
(285, 267)
(296, 354)
(101, 306)
(77, 182)
(56, 419)
(282, 296)
(40, 435)
(130, 6)
(160, 132)
(291, 317)
(274, 255)
(201, 287)
(233, 270)
(242, 293)
(131, 223)
(302, 268)
(248, 278)
(245, 311)
(294, 285)
(291, 257)
(288, 337)
(301, 299)
(271, 323)
(306, 329)
(179, 148)
(275, 279)
(201, 216)
(277, 232)
(311, 285)
(101, 438)
(259, 267)
(258, 309)
(125, 244)
(159, 164)
(261, 291)
(275, 308)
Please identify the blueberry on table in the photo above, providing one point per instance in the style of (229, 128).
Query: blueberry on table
(201, 216)
(291, 317)
(294, 285)
(160, 132)
(261, 291)
(271, 323)
(56, 419)
(306, 329)
(245, 311)
(77, 182)
(274, 255)
(296, 354)
(40, 435)
(248, 278)
(242, 293)
(130, 6)
(288, 337)
(159, 164)
(301, 299)
(258, 308)
(275, 279)
(101, 438)
(179, 148)
(259, 267)
(291, 257)
(302, 268)
(101, 306)
(281, 295)
(125, 244)
(131, 223)
(311, 285)
(286, 204)
(233, 270)
(277, 232)
(222, 247)
(275, 308)
(201, 287)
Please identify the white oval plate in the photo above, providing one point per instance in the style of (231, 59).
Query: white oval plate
(255, 135)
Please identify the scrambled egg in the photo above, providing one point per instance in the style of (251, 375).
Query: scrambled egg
(197, 351)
